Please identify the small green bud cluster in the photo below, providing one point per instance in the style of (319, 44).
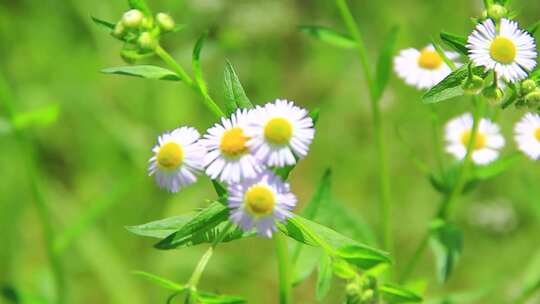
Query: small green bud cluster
(529, 95)
(493, 94)
(497, 11)
(362, 290)
(141, 33)
(473, 84)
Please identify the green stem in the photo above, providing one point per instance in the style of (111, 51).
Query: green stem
(284, 269)
(208, 101)
(414, 260)
(39, 198)
(383, 176)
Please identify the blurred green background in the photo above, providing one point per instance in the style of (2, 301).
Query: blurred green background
(92, 160)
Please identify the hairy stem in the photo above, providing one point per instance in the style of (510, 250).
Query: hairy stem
(208, 101)
(383, 176)
(39, 198)
(284, 265)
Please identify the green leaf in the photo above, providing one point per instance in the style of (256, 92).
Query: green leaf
(321, 196)
(455, 42)
(196, 63)
(314, 114)
(497, 167)
(162, 228)
(343, 269)
(143, 71)
(210, 298)
(533, 28)
(450, 87)
(396, 294)
(324, 277)
(202, 222)
(305, 264)
(304, 231)
(209, 234)
(447, 243)
(235, 96)
(531, 281)
(384, 64)
(140, 5)
(329, 36)
(103, 24)
(165, 283)
(40, 117)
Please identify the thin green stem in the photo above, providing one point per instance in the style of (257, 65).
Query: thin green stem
(39, 198)
(436, 140)
(414, 259)
(284, 265)
(384, 177)
(208, 101)
(201, 266)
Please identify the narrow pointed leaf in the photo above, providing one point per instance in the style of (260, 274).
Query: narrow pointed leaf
(321, 196)
(455, 42)
(396, 294)
(329, 36)
(235, 96)
(103, 24)
(324, 277)
(210, 298)
(40, 117)
(162, 228)
(450, 87)
(384, 64)
(165, 283)
(196, 63)
(143, 71)
(447, 243)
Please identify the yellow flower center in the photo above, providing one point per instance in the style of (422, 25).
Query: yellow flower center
(170, 156)
(537, 134)
(480, 140)
(429, 59)
(503, 50)
(259, 201)
(278, 131)
(233, 142)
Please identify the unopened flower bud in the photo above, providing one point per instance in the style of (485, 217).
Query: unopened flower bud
(497, 11)
(129, 56)
(528, 86)
(165, 22)
(119, 30)
(533, 99)
(132, 19)
(367, 296)
(147, 41)
(473, 85)
(493, 94)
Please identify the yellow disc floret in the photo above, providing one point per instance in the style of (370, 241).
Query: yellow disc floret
(429, 59)
(259, 200)
(480, 140)
(170, 156)
(503, 50)
(234, 142)
(278, 131)
(537, 134)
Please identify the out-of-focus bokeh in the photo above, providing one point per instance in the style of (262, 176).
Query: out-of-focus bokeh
(92, 160)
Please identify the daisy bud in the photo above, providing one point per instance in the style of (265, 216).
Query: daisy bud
(473, 85)
(528, 86)
(367, 296)
(493, 94)
(165, 22)
(533, 98)
(132, 19)
(147, 41)
(353, 291)
(147, 23)
(497, 11)
(119, 30)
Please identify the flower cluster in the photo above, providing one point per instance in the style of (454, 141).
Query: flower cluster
(240, 151)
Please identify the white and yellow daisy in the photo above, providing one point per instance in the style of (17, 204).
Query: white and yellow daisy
(229, 158)
(178, 159)
(259, 202)
(422, 68)
(527, 135)
(488, 139)
(508, 50)
(280, 133)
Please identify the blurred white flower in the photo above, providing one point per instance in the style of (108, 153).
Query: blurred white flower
(280, 132)
(496, 217)
(422, 68)
(488, 139)
(259, 202)
(527, 135)
(508, 50)
(178, 158)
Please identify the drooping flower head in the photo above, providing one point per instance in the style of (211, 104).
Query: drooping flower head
(229, 157)
(527, 135)
(486, 146)
(280, 133)
(178, 159)
(260, 202)
(508, 50)
(422, 68)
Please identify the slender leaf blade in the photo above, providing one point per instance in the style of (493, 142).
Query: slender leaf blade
(447, 243)
(196, 63)
(163, 282)
(143, 71)
(397, 294)
(449, 87)
(329, 36)
(455, 42)
(324, 277)
(103, 24)
(235, 96)
(384, 63)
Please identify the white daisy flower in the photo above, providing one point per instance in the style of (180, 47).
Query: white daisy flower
(422, 68)
(509, 50)
(229, 156)
(280, 131)
(488, 139)
(259, 202)
(527, 135)
(178, 158)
